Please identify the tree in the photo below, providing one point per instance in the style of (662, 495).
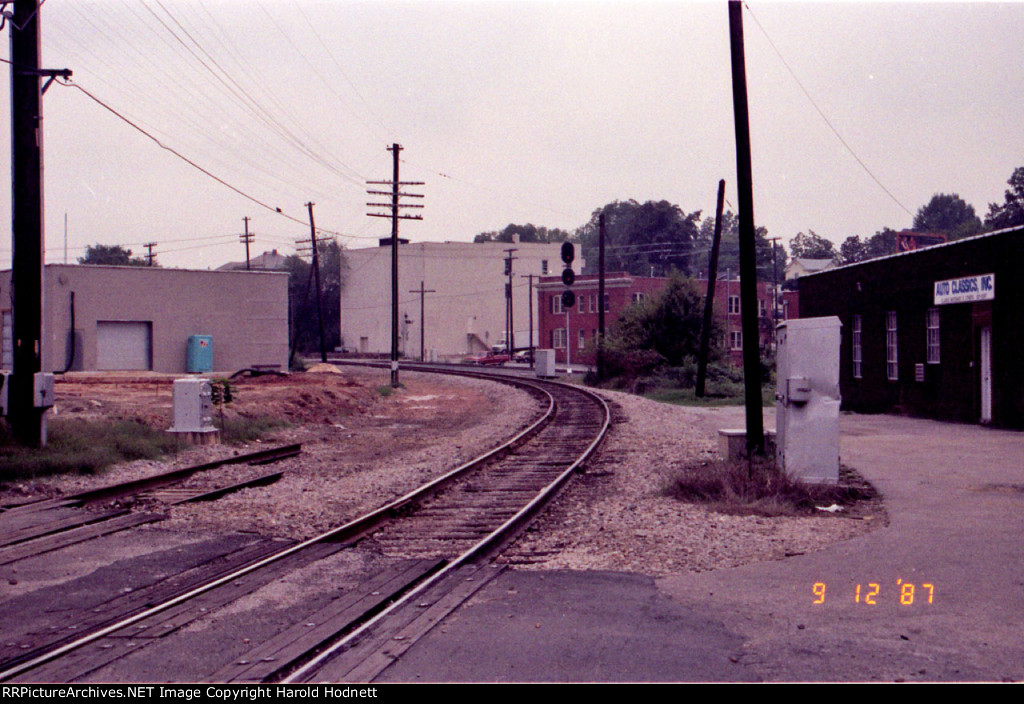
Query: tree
(653, 237)
(948, 214)
(811, 246)
(526, 233)
(111, 255)
(1011, 212)
(668, 324)
(852, 250)
(729, 252)
(303, 324)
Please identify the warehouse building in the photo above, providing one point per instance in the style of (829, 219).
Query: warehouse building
(935, 332)
(126, 318)
(462, 307)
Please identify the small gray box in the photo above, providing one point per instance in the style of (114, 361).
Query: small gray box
(193, 406)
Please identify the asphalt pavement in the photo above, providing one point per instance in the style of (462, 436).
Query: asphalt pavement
(936, 595)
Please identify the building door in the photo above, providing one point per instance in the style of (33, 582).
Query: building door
(986, 374)
(124, 346)
(7, 343)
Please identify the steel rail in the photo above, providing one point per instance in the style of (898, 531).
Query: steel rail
(507, 529)
(354, 527)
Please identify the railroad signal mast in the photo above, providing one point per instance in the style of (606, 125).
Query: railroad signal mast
(568, 297)
(396, 194)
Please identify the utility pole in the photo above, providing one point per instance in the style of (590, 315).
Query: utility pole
(423, 320)
(149, 252)
(529, 306)
(28, 421)
(748, 259)
(709, 299)
(246, 238)
(600, 297)
(510, 331)
(394, 205)
(775, 288)
(316, 276)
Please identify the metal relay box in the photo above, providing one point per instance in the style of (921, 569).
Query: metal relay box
(193, 406)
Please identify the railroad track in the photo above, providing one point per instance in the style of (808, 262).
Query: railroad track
(435, 543)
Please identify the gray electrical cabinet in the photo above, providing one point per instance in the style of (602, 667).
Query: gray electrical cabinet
(544, 363)
(807, 399)
(193, 406)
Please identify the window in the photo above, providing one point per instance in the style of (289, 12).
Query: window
(736, 339)
(556, 304)
(593, 303)
(734, 304)
(581, 304)
(543, 266)
(762, 307)
(558, 339)
(891, 361)
(858, 351)
(932, 334)
(583, 340)
(638, 297)
(607, 303)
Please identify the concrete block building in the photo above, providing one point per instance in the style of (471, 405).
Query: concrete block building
(124, 318)
(934, 332)
(463, 313)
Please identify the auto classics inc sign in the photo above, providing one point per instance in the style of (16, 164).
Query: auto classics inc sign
(966, 289)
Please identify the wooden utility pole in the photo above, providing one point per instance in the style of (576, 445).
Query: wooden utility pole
(423, 320)
(709, 299)
(600, 297)
(394, 206)
(748, 259)
(247, 238)
(510, 329)
(529, 306)
(28, 422)
(316, 276)
(149, 253)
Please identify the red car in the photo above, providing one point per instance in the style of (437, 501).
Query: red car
(486, 358)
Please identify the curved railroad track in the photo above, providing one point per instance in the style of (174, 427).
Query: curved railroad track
(436, 540)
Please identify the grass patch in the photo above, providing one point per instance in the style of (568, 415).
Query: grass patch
(730, 487)
(242, 429)
(688, 397)
(385, 390)
(83, 447)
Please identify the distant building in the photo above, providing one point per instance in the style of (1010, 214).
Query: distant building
(268, 261)
(464, 310)
(934, 332)
(801, 266)
(575, 330)
(136, 318)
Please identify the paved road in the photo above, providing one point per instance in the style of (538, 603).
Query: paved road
(955, 494)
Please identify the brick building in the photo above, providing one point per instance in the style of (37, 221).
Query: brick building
(573, 331)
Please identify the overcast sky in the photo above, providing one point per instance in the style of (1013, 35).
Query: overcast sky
(511, 112)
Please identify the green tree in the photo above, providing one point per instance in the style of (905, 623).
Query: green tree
(667, 324)
(111, 255)
(303, 324)
(879, 244)
(811, 246)
(1011, 212)
(642, 238)
(852, 250)
(526, 233)
(729, 250)
(948, 214)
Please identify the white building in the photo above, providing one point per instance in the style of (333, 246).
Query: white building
(465, 310)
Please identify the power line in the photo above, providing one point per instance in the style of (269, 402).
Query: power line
(822, 114)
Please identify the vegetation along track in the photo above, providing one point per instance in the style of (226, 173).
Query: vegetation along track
(435, 538)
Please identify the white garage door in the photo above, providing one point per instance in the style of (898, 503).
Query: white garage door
(124, 346)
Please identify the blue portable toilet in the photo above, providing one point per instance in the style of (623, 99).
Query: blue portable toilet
(200, 354)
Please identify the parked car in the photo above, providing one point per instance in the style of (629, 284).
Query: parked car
(522, 356)
(486, 358)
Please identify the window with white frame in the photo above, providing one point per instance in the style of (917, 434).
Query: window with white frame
(858, 351)
(734, 304)
(581, 304)
(762, 307)
(582, 340)
(593, 303)
(558, 338)
(638, 297)
(556, 304)
(736, 339)
(891, 359)
(932, 335)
